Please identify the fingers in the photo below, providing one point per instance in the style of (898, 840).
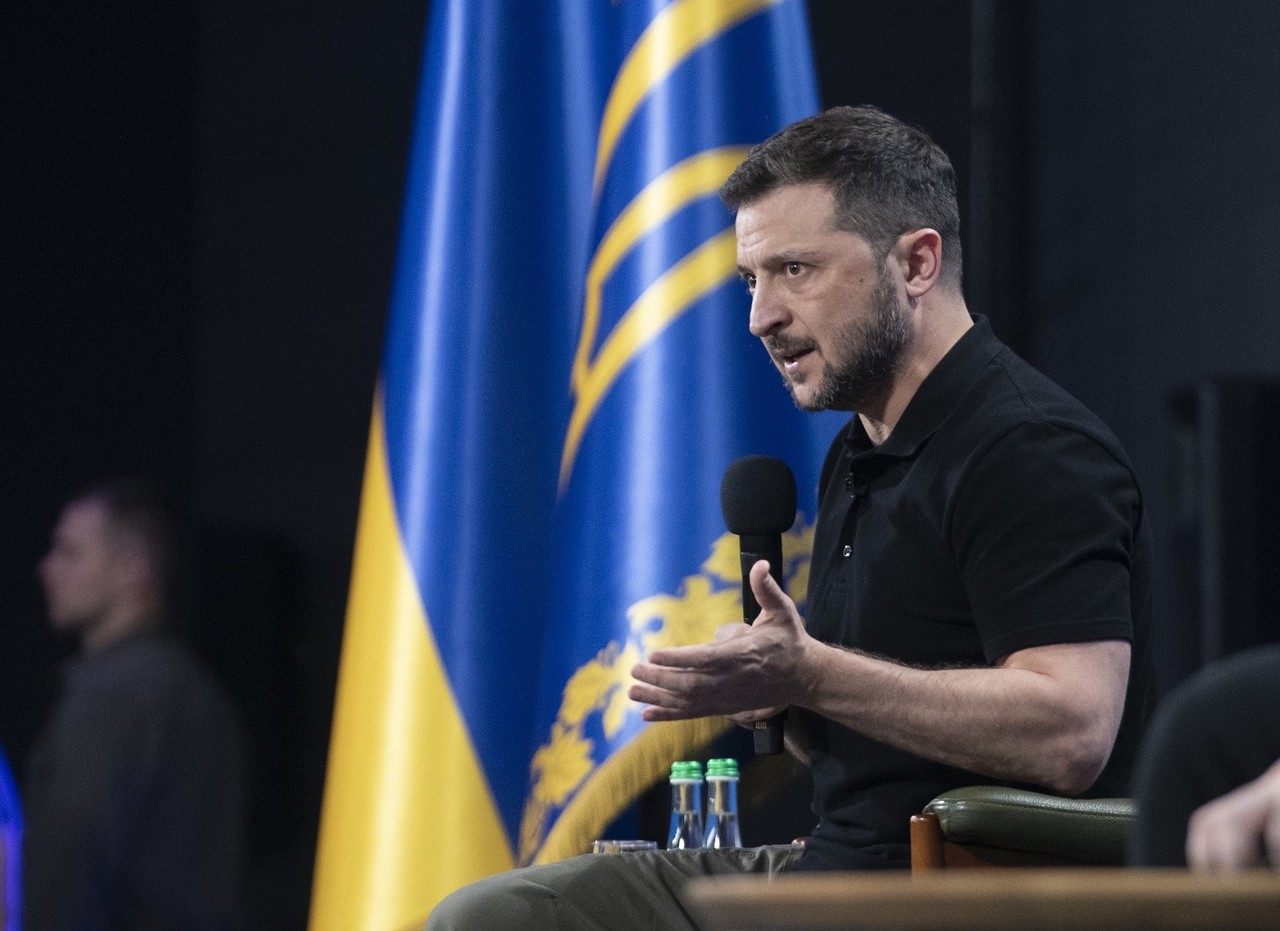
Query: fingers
(675, 694)
(1203, 843)
(664, 704)
(654, 713)
(697, 656)
(1227, 833)
(656, 679)
(671, 687)
(769, 595)
(1269, 788)
(660, 701)
(1271, 837)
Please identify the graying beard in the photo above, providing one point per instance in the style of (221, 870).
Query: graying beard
(868, 373)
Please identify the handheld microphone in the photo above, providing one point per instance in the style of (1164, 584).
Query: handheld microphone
(758, 499)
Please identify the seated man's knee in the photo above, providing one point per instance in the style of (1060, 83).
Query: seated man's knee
(505, 901)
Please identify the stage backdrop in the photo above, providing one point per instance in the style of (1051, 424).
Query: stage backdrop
(567, 373)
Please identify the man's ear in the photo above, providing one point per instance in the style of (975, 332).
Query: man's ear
(920, 252)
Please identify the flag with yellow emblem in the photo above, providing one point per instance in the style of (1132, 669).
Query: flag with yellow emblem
(567, 374)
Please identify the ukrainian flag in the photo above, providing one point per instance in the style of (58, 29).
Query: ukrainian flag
(567, 374)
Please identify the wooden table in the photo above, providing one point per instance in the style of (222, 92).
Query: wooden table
(991, 900)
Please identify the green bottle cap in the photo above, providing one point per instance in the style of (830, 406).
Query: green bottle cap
(686, 769)
(725, 767)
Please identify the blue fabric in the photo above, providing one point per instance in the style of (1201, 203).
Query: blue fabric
(531, 547)
(11, 844)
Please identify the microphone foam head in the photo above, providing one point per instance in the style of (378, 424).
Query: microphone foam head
(758, 496)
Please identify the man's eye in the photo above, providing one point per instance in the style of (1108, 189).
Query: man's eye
(793, 268)
(750, 282)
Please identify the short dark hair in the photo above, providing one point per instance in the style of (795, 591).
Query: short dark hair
(888, 178)
(138, 509)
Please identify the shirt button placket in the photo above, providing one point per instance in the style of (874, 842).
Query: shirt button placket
(850, 517)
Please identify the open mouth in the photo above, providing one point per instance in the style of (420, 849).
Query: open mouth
(788, 353)
(790, 360)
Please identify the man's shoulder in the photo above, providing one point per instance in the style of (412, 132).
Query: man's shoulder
(149, 650)
(1009, 393)
(151, 667)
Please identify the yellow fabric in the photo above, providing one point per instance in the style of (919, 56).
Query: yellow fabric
(408, 816)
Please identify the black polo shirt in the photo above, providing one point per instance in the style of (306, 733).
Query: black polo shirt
(999, 515)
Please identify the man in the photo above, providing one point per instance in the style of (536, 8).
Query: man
(979, 596)
(134, 791)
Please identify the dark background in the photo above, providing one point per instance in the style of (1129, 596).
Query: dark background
(199, 206)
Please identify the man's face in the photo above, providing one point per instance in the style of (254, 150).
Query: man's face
(80, 572)
(824, 305)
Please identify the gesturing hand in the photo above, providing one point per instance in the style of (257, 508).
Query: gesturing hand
(749, 672)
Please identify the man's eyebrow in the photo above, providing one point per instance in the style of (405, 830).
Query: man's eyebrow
(782, 258)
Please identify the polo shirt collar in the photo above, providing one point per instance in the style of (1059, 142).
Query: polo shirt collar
(936, 397)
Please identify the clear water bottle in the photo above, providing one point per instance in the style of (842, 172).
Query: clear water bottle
(686, 805)
(723, 828)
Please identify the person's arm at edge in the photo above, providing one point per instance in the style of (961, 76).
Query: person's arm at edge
(1238, 830)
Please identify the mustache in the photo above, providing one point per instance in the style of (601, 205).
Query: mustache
(780, 346)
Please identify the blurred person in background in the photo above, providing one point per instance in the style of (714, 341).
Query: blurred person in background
(135, 789)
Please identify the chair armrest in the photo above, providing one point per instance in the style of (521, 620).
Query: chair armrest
(1089, 830)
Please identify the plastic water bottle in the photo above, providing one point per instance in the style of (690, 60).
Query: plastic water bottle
(723, 827)
(686, 805)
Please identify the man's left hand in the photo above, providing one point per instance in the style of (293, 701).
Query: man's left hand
(748, 673)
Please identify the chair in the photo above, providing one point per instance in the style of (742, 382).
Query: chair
(985, 826)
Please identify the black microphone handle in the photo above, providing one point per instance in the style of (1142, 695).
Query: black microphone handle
(766, 734)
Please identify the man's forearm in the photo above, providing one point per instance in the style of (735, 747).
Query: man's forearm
(1047, 716)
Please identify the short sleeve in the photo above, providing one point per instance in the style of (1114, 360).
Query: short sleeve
(1044, 526)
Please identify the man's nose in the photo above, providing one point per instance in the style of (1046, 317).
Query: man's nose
(768, 312)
